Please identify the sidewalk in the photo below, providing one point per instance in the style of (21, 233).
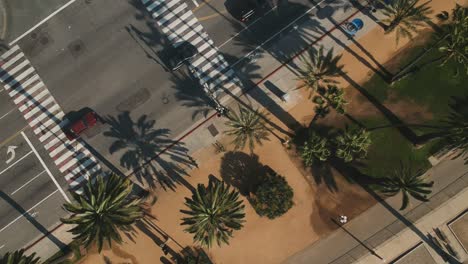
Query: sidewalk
(378, 224)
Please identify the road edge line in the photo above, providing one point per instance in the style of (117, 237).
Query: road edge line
(45, 167)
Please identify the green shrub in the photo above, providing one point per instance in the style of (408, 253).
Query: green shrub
(273, 197)
(315, 149)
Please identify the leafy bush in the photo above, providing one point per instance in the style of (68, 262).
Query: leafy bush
(352, 144)
(273, 196)
(315, 149)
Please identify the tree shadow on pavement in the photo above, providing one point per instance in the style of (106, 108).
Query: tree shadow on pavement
(327, 12)
(31, 220)
(190, 93)
(142, 145)
(243, 171)
(366, 181)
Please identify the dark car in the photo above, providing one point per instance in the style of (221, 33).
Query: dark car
(243, 10)
(79, 126)
(183, 53)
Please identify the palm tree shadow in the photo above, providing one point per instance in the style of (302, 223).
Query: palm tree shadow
(190, 93)
(366, 181)
(149, 152)
(32, 220)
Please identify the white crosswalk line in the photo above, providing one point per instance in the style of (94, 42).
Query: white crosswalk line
(48, 123)
(26, 96)
(11, 51)
(12, 61)
(45, 116)
(24, 85)
(36, 109)
(8, 74)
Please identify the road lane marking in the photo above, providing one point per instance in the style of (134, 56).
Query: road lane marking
(45, 167)
(2, 246)
(6, 141)
(7, 113)
(222, 12)
(27, 212)
(20, 159)
(256, 20)
(28, 182)
(276, 34)
(41, 22)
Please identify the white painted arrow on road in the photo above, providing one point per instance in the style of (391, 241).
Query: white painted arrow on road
(11, 153)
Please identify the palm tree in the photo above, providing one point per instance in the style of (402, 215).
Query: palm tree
(352, 144)
(455, 43)
(408, 183)
(247, 127)
(335, 97)
(320, 69)
(102, 210)
(404, 17)
(18, 257)
(214, 212)
(316, 148)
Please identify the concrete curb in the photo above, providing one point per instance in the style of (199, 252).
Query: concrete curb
(3, 19)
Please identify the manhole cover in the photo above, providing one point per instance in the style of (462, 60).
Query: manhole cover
(165, 100)
(77, 48)
(134, 100)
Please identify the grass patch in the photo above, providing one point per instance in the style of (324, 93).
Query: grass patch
(433, 86)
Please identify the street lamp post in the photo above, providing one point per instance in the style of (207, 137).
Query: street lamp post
(222, 111)
(343, 219)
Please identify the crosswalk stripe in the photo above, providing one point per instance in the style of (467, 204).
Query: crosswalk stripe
(46, 112)
(66, 155)
(8, 74)
(45, 103)
(24, 85)
(9, 52)
(18, 78)
(167, 18)
(12, 61)
(49, 122)
(23, 95)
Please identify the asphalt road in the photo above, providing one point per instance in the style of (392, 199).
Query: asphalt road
(30, 203)
(20, 15)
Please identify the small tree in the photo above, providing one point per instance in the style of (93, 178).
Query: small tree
(273, 196)
(320, 69)
(18, 257)
(454, 35)
(352, 144)
(102, 210)
(404, 17)
(215, 211)
(248, 128)
(408, 183)
(335, 97)
(315, 149)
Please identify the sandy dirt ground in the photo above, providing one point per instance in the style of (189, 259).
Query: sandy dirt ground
(263, 240)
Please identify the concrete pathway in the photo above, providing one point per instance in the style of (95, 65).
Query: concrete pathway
(384, 230)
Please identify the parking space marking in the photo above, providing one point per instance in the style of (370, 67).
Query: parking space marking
(20, 159)
(1, 117)
(45, 167)
(28, 182)
(27, 212)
